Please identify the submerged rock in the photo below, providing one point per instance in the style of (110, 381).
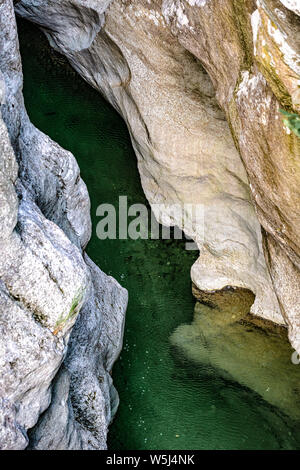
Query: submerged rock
(244, 349)
(45, 280)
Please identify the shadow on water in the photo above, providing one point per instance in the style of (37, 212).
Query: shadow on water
(171, 396)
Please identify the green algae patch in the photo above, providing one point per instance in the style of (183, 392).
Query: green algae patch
(292, 121)
(65, 318)
(243, 26)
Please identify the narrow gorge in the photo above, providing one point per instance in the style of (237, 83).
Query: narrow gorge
(211, 336)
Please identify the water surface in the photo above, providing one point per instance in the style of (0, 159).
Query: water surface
(170, 397)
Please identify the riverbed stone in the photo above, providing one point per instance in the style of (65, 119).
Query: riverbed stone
(244, 349)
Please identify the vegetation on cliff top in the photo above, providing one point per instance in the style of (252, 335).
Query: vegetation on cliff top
(292, 121)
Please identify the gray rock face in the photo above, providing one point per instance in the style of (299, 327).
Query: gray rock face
(45, 281)
(147, 60)
(186, 154)
(83, 386)
(85, 18)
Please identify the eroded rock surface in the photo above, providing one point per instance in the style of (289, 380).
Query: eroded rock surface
(145, 61)
(83, 386)
(45, 281)
(251, 51)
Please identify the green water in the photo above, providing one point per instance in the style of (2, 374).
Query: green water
(168, 401)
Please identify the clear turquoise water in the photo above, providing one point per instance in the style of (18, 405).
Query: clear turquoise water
(167, 401)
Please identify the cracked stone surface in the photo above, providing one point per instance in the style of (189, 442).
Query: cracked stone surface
(46, 281)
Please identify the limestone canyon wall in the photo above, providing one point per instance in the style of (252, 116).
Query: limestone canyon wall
(251, 51)
(46, 283)
(200, 84)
